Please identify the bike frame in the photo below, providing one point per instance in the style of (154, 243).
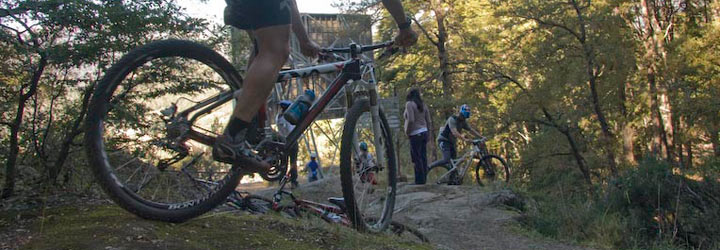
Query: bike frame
(319, 209)
(350, 70)
(476, 153)
(461, 169)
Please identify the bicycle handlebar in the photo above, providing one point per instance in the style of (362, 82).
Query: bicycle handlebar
(359, 48)
(480, 140)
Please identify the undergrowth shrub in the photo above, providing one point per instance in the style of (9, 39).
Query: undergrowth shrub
(651, 206)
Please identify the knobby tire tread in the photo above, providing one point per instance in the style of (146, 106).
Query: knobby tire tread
(358, 108)
(506, 178)
(99, 107)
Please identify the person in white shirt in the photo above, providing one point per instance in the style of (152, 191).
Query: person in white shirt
(417, 125)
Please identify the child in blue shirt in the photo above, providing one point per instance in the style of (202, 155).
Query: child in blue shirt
(312, 166)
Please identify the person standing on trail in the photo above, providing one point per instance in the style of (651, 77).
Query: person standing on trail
(449, 133)
(269, 23)
(284, 128)
(312, 168)
(417, 124)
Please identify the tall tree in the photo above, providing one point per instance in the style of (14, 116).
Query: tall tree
(79, 39)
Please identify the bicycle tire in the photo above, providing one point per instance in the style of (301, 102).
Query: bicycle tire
(347, 145)
(504, 170)
(403, 231)
(125, 195)
(257, 204)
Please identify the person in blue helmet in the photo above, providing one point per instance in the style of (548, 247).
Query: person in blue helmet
(284, 128)
(365, 165)
(450, 132)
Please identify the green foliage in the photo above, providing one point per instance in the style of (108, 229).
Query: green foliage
(660, 204)
(646, 207)
(79, 40)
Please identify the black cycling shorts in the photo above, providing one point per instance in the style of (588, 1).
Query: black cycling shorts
(256, 14)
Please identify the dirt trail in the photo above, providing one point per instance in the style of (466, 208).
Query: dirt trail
(463, 217)
(453, 217)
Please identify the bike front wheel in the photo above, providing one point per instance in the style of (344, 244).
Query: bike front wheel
(368, 188)
(136, 147)
(492, 167)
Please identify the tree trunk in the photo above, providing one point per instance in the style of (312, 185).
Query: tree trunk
(628, 132)
(443, 56)
(654, 50)
(690, 156)
(666, 116)
(715, 140)
(573, 147)
(608, 137)
(70, 136)
(578, 157)
(11, 157)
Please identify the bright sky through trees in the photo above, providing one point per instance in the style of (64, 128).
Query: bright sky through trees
(213, 9)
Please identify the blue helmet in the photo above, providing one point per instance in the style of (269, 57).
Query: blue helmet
(284, 104)
(363, 146)
(465, 111)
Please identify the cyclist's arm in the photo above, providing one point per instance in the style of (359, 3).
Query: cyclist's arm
(467, 127)
(456, 132)
(396, 10)
(406, 37)
(308, 47)
(475, 133)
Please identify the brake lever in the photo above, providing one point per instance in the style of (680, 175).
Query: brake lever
(329, 57)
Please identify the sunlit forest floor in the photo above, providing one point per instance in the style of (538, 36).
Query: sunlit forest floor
(106, 226)
(452, 217)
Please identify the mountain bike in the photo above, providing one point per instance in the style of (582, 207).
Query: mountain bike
(334, 213)
(154, 117)
(492, 167)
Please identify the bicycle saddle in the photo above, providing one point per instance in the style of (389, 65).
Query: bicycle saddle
(340, 202)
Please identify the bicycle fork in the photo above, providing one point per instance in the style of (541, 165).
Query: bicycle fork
(377, 129)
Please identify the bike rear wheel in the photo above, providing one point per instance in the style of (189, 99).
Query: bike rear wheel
(134, 150)
(367, 193)
(492, 167)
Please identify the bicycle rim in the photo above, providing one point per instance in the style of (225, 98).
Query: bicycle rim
(492, 168)
(368, 191)
(132, 148)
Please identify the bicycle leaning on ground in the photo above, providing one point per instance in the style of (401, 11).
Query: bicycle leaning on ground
(492, 167)
(155, 115)
(334, 214)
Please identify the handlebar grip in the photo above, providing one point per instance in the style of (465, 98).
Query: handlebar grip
(335, 50)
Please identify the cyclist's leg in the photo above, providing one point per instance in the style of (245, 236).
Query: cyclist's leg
(453, 151)
(273, 50)
(293, 165)
(446, 152)
(270, 25)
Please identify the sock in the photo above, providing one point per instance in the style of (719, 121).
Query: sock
(236, 126)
